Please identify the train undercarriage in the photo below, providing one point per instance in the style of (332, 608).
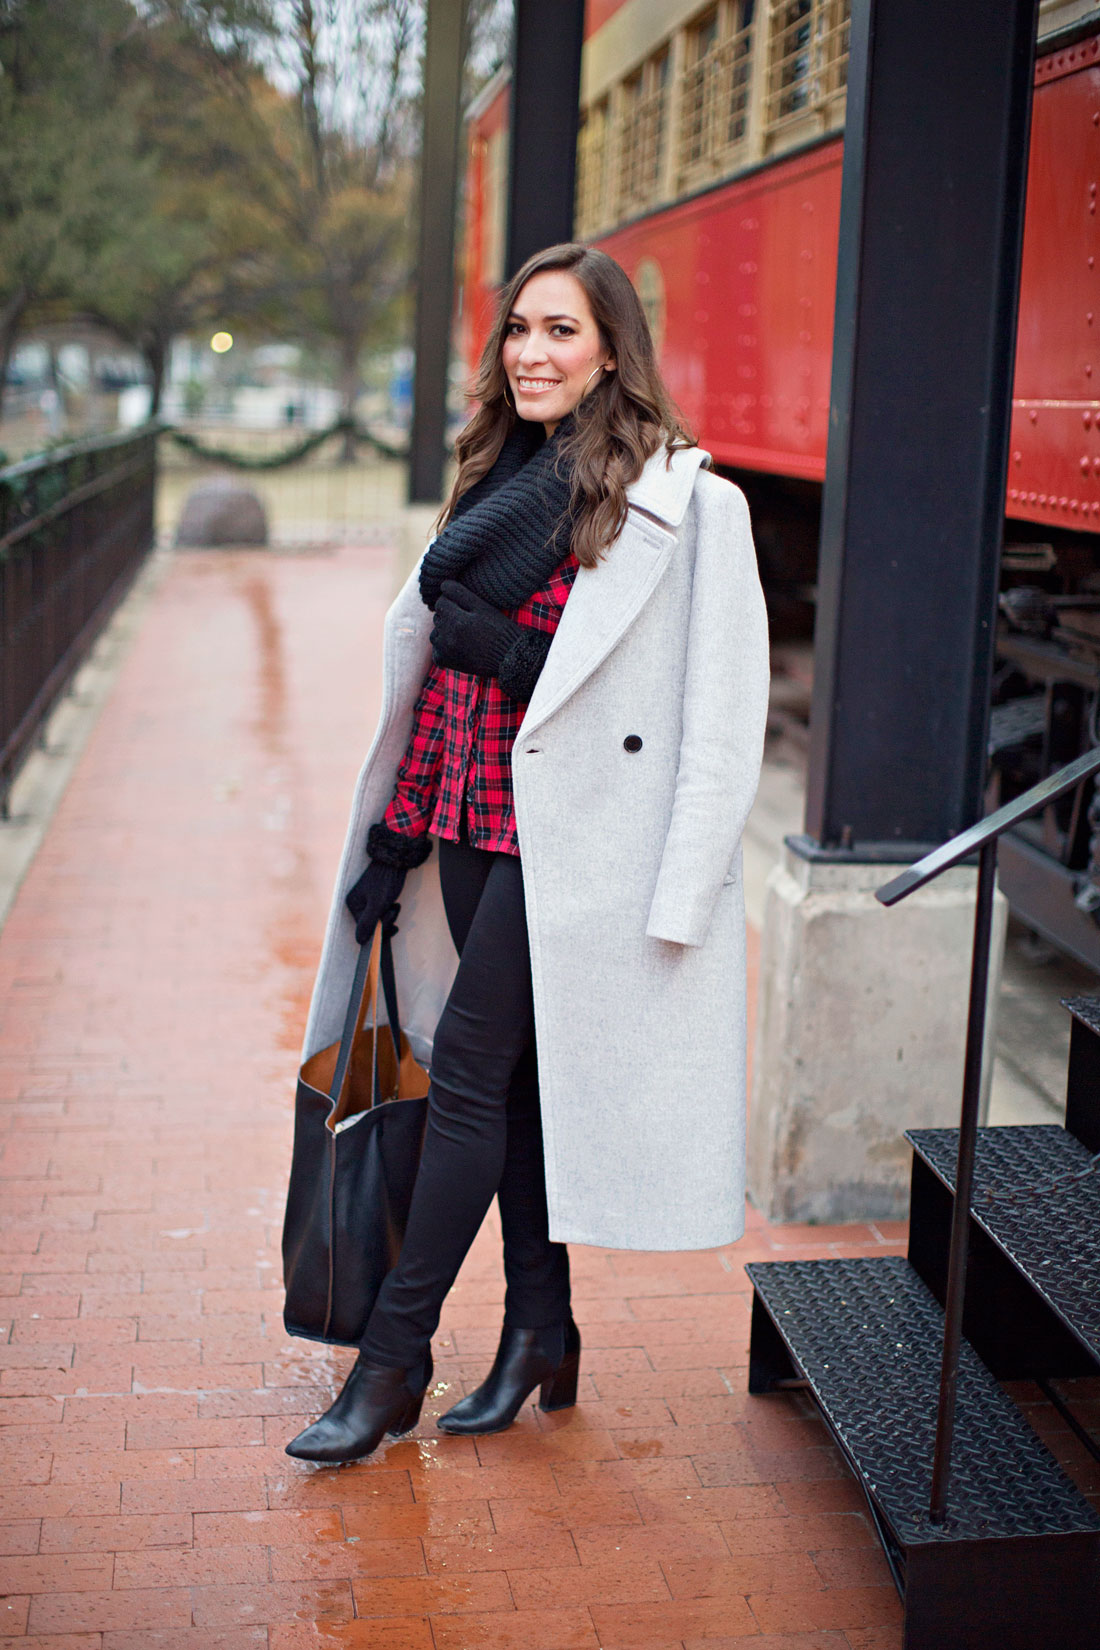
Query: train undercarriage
(1044, 701)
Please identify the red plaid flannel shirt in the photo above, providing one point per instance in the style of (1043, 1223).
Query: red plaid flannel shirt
(459, 758)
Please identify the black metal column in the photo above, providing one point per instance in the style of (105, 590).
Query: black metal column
(935, 165)
(546, 85)
(444, 56)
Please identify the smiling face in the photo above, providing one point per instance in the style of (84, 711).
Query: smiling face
(553, 353)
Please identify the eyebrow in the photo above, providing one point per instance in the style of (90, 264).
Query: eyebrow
(515, 315)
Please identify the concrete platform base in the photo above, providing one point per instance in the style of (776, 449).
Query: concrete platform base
(860, 1032)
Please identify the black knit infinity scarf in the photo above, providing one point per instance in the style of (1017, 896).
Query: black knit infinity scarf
(512, 528)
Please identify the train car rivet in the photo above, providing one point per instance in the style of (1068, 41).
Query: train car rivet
(1016, 457)
(1084, 466)
(1033, 415)
(1086, 419)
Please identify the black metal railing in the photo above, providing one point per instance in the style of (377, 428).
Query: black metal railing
(981, 839)
(75, 526)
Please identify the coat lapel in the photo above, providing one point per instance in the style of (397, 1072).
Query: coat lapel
(607, 598)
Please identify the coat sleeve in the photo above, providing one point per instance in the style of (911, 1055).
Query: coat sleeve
(725, 710)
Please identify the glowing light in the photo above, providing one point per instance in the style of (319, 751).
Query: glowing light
(220, 342)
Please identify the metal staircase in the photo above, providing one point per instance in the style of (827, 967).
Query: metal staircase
(991, 1545)
(1033, 1294)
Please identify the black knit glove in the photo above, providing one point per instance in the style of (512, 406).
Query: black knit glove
(391, 856)
(471, 635)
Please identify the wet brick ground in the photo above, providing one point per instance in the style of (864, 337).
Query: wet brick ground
(154, 975)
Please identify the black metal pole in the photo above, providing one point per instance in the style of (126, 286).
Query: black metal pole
(546, 86)
(964, 1182)
(931, 229)
(444, 56)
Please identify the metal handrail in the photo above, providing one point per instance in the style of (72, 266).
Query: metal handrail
(994, 825)
(982, 838)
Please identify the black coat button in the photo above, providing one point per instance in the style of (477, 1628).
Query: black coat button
(632, 743)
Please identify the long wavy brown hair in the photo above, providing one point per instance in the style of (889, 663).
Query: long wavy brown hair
(622, 421)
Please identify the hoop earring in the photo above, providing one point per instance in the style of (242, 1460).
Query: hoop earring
(601, 368)
(504, 392)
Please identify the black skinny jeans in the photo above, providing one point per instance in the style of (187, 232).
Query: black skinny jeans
(484, 1133)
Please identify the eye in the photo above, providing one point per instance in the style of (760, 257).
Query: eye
(513, 329)
(565, 330)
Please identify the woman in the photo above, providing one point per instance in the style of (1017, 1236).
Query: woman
(574, 705)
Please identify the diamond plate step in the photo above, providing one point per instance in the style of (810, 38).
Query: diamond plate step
(1083, 1077)
(1021, 1541)
(1052, 1237)
(1085, 1009)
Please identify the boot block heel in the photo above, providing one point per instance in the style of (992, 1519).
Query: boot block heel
(408, 1420)
(559, 1390)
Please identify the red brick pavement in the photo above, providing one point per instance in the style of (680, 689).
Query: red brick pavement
(154, 974)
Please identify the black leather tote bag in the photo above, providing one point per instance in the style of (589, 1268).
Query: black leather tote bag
(358, 1129)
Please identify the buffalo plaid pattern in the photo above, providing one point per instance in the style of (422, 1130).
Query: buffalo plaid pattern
(458, 764)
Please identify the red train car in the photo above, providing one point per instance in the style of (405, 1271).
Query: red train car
(738, 273)
(709, 164)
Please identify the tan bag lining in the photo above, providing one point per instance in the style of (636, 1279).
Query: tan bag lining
(409, 1081)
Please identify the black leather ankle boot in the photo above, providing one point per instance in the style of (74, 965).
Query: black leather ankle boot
(375, 1400)
(526, 1358)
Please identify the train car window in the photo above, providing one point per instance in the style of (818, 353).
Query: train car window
(703, 36)
(592, 158)
(714, 92)
(493, 215)
(701, 40)
(808, 64)
(737, 98)
(643, 135)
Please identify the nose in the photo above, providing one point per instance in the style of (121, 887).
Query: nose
(532, 351)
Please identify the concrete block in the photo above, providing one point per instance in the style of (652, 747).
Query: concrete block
(219, 513)
(860, 1034)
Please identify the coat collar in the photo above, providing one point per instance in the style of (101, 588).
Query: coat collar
(664, 487)
(606, 599)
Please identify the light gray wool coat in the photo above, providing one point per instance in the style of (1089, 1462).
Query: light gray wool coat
(631, 867)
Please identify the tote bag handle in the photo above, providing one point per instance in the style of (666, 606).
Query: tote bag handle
(358, 986)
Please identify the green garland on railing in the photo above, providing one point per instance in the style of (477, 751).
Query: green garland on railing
(289, 455)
